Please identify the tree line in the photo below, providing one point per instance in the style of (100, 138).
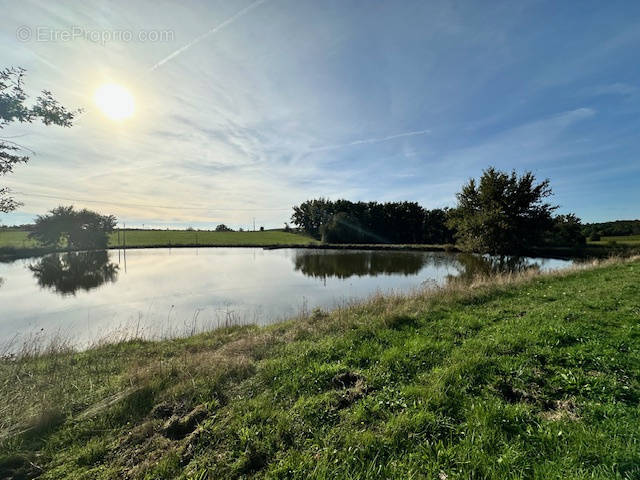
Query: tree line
(501, 213)
(343, 221)
(611, 229)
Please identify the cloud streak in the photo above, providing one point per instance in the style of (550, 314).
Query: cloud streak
(367, 141)
(213, 31)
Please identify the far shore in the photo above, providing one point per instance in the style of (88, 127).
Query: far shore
(589, 251)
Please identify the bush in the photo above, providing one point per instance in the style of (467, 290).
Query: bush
(78, 229)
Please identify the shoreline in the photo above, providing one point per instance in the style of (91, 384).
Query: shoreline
(9, 254)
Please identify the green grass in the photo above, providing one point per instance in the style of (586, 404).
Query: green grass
(535, 377)
(152, 238)
(141, 238)
(621, 240)
(16, 239)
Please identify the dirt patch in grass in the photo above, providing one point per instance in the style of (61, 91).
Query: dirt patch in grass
(565, 409)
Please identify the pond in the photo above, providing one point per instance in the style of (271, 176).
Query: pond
(86, 298)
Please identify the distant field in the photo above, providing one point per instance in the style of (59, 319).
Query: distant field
(622, 240)
(15, 238)
(137, 238)
(141, 238)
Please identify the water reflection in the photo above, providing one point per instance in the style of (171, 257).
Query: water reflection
(345, 264)
(69, 272)
(472, 266)
(167, 293)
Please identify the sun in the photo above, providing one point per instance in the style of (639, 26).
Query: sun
(115, 101)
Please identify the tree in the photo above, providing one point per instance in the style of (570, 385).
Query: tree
(223, 228)
(436, 230)
(78, 229)
(13, 108)
(390, 222)
(566, 231)
(342, 228)
(502, 213)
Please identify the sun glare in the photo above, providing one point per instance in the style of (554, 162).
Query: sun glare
(115, 101)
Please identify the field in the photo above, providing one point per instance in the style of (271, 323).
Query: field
(16, 239)
(150, 238)
(525, 376)
(140, 238)
(621, 240)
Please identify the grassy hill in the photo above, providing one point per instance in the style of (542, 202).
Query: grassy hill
(531, 377)
(152, 238)
(633, 240)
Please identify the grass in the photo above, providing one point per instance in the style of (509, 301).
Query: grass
(152, 238)
(633, 240)
(16, 239)
(143, 238)
(527, 376)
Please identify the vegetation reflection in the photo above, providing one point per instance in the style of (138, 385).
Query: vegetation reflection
(473, 266)
(69, 272)
(345, 264)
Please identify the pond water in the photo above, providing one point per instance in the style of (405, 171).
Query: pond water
(89, 297)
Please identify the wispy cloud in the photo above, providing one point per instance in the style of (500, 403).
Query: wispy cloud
(528, 144)
(617, 88)
(213, 31)
(367, 141)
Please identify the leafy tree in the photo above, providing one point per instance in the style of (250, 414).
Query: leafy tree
(312, 214)
(436, 229)
(223, 228)
(343, 228)
(78, 229)
(13, 108)
(502, 213)
(344, 221)
(566, 231)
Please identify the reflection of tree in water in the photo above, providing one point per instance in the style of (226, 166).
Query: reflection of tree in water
(472, 266)
(345, 264)
(68, 272)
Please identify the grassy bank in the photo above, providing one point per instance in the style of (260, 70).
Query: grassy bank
(18, 243)
(520, 377)
(633, 240)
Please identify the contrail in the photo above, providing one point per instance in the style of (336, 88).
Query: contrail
(371, 140)
(215, 29)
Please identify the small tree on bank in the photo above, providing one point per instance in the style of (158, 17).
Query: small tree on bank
(13, 108)
(77, 229)
(502, 213)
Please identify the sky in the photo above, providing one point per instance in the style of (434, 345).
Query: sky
(245, 108)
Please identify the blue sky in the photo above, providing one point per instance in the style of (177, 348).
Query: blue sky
(246, 108)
